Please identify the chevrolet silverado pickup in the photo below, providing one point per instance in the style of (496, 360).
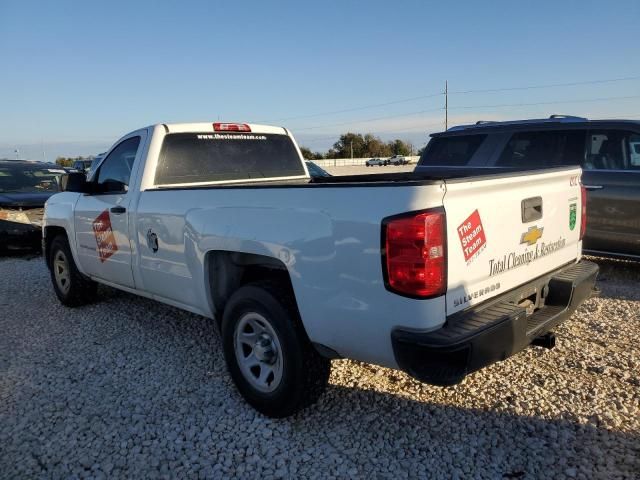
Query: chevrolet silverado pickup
(453, 272)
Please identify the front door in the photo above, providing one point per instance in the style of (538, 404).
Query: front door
(612, 179)
(102, 217)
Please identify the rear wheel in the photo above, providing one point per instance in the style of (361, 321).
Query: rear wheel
(268, 354)
(72, 287)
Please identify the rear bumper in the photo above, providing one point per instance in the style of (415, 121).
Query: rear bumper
(493, 331)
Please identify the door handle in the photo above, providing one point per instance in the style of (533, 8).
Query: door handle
(531, 209)
(593, 187)
(118, 210)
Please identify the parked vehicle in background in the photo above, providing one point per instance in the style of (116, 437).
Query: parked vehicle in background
(315, 170)
(222, 220)
(96, 161)
(397, 160)
(375, 161)
(24, 188)
(83, 165)
(607, 150)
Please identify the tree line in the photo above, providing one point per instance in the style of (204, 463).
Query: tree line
(357, 145)
(69, 161)
(349, 145)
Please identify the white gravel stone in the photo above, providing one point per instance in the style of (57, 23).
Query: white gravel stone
(129, 388)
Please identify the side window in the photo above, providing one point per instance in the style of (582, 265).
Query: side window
(634, 151)
(543, 149)
(613, 150)
(117, 166)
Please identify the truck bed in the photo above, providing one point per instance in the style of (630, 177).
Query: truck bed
(434, 175)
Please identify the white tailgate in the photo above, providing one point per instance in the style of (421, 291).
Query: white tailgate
(491, 250)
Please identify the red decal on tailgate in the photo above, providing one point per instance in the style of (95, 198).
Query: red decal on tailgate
(472, 238)
(104, 236)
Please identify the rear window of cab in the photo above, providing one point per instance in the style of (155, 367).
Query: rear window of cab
(206, 157)
(455, 151)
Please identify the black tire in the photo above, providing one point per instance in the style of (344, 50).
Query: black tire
(78, 288)
(304, 372)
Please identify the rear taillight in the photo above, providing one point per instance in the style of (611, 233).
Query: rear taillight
(415, 254)
(583, 215)
(231, 127)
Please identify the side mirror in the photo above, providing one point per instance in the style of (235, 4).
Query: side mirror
(113, 186)
(74, 182)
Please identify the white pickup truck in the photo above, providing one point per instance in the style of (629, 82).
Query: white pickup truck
(452, 272)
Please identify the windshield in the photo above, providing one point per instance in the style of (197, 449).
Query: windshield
(25, 178)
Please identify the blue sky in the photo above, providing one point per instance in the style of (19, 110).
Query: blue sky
(78, 74)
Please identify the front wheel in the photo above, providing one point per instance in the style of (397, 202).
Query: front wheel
(268, 354)
(72, 287)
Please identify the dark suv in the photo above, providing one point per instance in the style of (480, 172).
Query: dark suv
(607, 150)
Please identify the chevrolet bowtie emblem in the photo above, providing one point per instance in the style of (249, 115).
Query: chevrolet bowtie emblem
(531, 236)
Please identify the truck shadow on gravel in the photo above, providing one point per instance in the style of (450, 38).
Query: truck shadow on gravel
(128, 387)
(460, 442)
(22, 254)
(618, 278)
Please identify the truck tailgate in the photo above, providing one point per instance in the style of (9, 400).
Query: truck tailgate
(505, 231)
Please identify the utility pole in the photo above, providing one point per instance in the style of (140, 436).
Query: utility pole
(351, 152)
(446, 105)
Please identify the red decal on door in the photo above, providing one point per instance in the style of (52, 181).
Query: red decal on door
(472, 238)
(104, 236)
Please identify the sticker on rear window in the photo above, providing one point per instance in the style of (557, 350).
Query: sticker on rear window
(472, 237)
(230, 136)
(105, 239)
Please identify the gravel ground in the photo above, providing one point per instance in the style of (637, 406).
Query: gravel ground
(131, 388)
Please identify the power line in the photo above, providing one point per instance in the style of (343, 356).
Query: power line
(554, 102)
(369, 120)
(321, 139)
(469, 107)
(394, 130)
(409, 129)
(461, 92)
(364, 107)
(425, 127)
(549, 85)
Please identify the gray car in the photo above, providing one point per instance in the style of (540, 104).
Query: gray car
(607, 150)
(376, 161)
(397, 160)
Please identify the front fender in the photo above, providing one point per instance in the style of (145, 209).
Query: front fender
(59, 212)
